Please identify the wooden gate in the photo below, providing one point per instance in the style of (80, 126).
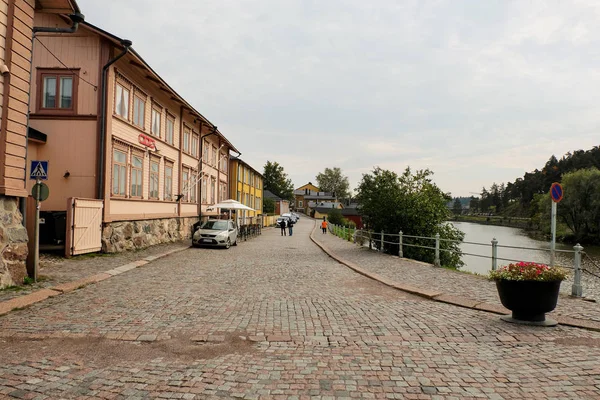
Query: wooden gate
(84, 226)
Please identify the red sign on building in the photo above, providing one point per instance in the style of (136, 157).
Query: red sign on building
(147, 141)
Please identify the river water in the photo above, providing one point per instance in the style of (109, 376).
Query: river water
(506, 236)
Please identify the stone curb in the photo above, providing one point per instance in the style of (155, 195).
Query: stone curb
(444, 297)
(43, 294)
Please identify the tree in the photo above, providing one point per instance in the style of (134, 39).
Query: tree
(332, 180)
(580, 207)
(410, 203)
(457, 207)
(277, 182)
(474, 204)
(268, 206)
(335, 216)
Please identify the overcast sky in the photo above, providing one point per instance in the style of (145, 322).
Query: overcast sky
(477, 91)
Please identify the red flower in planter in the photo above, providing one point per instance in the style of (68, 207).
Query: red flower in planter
(528, 271)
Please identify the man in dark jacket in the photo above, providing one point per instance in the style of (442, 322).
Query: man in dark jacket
(290, 226)
(282, 226)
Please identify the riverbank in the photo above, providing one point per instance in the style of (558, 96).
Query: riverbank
(496, 220)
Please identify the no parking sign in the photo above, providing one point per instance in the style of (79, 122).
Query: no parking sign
(556, 192)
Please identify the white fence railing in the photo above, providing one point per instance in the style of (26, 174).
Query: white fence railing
(398, 239)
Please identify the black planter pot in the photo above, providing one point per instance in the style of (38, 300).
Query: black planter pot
(529, 301)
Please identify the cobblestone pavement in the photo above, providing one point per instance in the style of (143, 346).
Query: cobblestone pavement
(274, 318)
(55, 269)
(423, 275)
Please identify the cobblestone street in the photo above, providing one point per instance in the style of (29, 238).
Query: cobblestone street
(275, 317)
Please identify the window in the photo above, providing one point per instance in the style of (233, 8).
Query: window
(119, 172)
(139, 109)
(170, 130)
(204, 189)
(156, 114)
(195, 145)
(239, 196)
(168, 181)
(137, 164)
(186, 187)
(57, 91)
(193, 186)
(214, 156)
(122, 101)
(154, 164)
(205, 152)
(257, 206)
(223, 190)
(186, 140)
(300, 204)
(224, 163)
(240, 174)
(213, 190)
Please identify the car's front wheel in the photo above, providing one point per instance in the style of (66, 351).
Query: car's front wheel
(228, 243)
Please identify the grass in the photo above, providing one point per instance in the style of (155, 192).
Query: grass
(12, 289)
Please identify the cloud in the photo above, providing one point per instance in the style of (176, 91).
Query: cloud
(479, 92)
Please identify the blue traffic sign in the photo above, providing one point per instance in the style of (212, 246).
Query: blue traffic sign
(556, 192)
(39, 170)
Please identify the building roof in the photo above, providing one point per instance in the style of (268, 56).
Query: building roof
(325, 210)
(267, 194)
(327, 204)
(246, 164)
(57, 6)
(350, 211)
(323, 196)
(141, 63)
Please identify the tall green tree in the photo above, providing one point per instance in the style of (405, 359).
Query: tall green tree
(457, 207)
(413, 204)
(268, 206)
(580, 207)
(332, 180)
(277, 182)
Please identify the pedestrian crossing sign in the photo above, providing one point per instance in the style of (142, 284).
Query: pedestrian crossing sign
(39, 170)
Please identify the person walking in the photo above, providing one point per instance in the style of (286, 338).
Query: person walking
(324, 225)
(290, 226)
(282, 226)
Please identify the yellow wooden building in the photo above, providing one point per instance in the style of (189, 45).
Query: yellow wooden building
(246, 186)
(300, 203)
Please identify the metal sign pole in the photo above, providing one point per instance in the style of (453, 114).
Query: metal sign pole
(36, 244)
(553, 228)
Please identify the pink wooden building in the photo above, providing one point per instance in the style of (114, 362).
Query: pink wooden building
(138, 158)
(16, 44)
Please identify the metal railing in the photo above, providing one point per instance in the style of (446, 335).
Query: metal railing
(249, 231)
(381, 238)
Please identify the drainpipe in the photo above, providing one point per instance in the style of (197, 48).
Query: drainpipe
(76, 19)
(126, 45)
(214, 132)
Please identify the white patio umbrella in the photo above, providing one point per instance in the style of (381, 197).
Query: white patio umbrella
(231, 204)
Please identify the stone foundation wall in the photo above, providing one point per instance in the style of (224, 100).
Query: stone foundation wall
(13, 243)
(130, 235)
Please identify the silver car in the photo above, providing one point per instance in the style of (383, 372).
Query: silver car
(216, 233)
